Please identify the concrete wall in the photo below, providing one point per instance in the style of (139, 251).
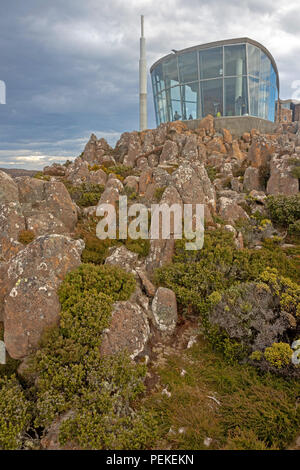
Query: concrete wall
(237, 125)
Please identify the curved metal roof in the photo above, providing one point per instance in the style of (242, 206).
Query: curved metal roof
(221, 43)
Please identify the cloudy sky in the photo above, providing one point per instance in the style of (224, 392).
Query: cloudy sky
(71, 66)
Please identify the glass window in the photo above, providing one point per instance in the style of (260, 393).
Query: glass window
(263, 108)
(212, 97)
(188, 67)
(235, 60)
(254, 95)
(265, 67)
(235, 96)
(174, 103)
(253, 60)
(157, 79)
(190, 101)
(162, 107)
(271, 104)
(211, 63)
(170, 72)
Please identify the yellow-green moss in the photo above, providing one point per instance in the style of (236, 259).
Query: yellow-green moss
(278, 355)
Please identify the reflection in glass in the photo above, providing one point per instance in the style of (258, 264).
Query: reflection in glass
(170, 72)
(157, 79)
(235, 60)
(174, 101)
(190, 101)
(235, 96)
(253, 60)
(263, 107)
(265, 67)
(211, 63)
(162, 107)
(254, 94)
(212, 97)
(188, 67)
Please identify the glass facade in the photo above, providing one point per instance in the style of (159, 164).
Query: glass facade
(228, 80)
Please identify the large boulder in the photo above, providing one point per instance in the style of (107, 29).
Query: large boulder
(260, 152)
(78, 172)
(29, 290)
(128, 331)
(47, 206)
(281, 180)
(193, 184)
(230, 211)
(169, 152)
(252, 179)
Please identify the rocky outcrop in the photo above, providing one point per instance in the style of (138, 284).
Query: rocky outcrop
(32, 204)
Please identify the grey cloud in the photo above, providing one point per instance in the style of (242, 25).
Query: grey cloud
(71, 67)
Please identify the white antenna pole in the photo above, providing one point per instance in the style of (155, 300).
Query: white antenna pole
(143, 79)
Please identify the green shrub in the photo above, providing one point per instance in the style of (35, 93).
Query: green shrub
(294, 228)
(14, 414)
(211, 172)
(194, 275)
(85, 194)
(111, 280)
(26, 236)
(278, 355)
(284, 210)
(41, 176)
(140, 246)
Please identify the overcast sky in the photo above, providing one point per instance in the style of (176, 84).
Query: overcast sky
(71, 66)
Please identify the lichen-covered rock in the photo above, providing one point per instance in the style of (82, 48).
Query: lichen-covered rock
(95, 150)
(78, 172)
(124, 258)
(132, 183)
(252, 179)
(193, 184)
(98, 177)
(281, 180)
(134, 149)
(8, 189)
(12, 222)
(207, 123)
(164, 309)
(144, 180)
(29, 289)
(169, 152)
(260, 152)
(55, 170)
(128, 331)
(230, 211)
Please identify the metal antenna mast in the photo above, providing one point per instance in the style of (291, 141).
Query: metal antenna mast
(143, 79)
